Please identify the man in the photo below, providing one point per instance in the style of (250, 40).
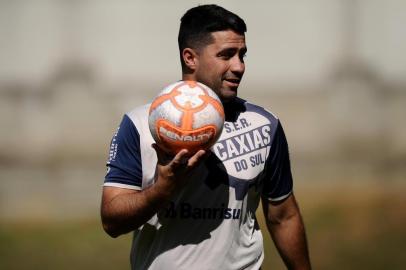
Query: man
(198, 212)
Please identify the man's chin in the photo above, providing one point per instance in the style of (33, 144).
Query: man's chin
(228, 95)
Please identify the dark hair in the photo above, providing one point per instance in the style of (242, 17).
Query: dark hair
(199, 22)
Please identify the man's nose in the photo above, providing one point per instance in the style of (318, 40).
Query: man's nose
(237, 65)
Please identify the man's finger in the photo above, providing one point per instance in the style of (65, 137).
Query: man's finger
(181, 158)
(196, 158)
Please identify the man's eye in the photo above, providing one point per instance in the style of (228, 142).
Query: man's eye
(226, 55)
(242, 57)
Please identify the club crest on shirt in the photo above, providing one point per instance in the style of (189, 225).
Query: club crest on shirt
(244, 146)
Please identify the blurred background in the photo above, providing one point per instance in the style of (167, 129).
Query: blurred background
(334, 71)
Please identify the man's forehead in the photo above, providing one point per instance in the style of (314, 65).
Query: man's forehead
(227, 34)
(228, 38)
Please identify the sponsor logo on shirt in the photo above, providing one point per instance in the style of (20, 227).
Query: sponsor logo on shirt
(185, 210)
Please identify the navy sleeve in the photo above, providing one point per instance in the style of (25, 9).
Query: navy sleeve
(124, 167)
(278, 181)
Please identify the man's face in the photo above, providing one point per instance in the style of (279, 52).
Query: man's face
(221, 65)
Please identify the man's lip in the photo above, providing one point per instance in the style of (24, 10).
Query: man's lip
(235, 82)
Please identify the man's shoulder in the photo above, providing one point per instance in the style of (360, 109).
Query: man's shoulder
(137, 118)
(251, 107)
(139, 114)
(138, 111)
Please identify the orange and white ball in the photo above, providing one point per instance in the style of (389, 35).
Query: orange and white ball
(186, 115)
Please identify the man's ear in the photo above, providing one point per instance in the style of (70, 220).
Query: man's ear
(190, 58)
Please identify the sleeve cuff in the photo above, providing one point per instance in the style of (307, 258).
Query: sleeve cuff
(280, 198)
(110, 184)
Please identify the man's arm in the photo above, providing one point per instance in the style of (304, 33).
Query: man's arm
(124, 210)
(286, 227)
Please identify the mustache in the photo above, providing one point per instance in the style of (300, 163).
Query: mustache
(232, 78)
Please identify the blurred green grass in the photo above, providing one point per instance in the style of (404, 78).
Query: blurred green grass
(61, 245)
(354, 228)
(360, 227)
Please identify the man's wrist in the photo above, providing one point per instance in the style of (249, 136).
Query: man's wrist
(162, 191)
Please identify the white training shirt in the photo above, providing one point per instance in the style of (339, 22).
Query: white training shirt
(211, 223)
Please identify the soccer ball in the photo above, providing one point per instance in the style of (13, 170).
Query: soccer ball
(186, 115)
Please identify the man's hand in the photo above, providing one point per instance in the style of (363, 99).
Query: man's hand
(124, 210)
(174, 173)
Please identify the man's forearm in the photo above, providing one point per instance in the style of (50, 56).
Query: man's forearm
(290, 239)
(128, 211)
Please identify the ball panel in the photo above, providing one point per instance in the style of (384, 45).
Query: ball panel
(167, 111)
(209, 115)
(187, 120)
(210, 92)
(170, 87)
(216, 104)
(189, 98)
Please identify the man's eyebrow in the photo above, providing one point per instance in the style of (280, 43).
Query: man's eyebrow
(233, 50)
(228, 49)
